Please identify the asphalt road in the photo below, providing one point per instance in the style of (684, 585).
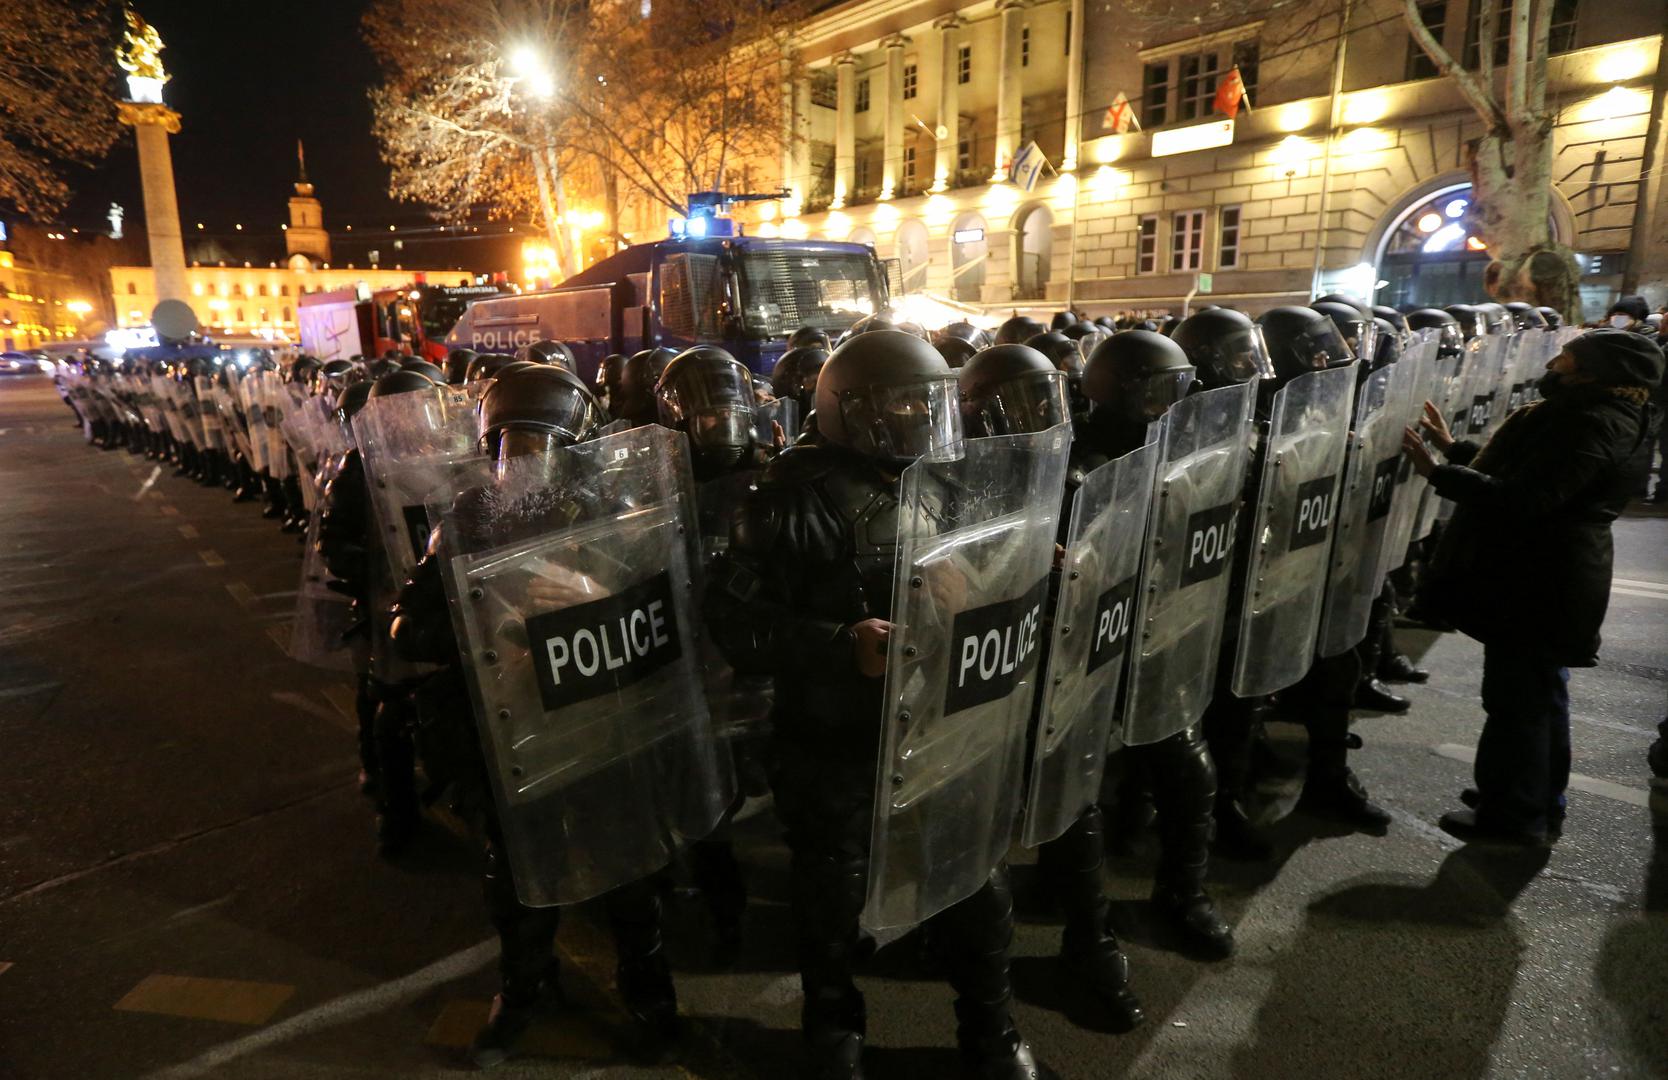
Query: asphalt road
(187, 886)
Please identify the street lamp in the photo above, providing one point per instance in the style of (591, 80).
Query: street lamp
(529, 66)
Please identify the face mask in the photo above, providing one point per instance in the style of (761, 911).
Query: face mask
(1621, 322)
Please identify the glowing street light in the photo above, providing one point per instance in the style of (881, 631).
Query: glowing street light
(79, 307)
(530, 68)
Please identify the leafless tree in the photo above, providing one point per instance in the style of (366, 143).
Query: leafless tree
(57, 97)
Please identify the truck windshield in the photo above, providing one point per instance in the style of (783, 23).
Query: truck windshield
(784, 290)
(440, 312)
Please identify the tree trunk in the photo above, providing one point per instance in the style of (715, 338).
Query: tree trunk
(547, 205)
(1511, 207)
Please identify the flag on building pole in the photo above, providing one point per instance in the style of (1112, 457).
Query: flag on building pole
(1027, 165)
(1119, 116)
(1230, 92)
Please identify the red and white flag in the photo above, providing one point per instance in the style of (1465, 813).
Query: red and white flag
(1230, 92)
(1119, 116)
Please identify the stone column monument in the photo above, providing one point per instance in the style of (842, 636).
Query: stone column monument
(140, 55)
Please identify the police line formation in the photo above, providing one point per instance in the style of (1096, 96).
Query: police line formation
(929, 591)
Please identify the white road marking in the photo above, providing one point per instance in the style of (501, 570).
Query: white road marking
(156, 471)
(340, 1011)
(1658, 586)
(1639, 592)
(1592, 785)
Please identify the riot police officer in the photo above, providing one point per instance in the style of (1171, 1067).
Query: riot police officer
(1013, 389)
(533, 410)
(804, 594)
(642, 370)
(795, 375)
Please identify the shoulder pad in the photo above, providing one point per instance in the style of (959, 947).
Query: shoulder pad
(798, 464)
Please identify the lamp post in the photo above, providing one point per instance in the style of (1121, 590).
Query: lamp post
(533, 75)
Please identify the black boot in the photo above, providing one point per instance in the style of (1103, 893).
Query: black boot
(992, 1049)
(295, 507)
(643, 976)
(526, 961)
(1338, 794)
(718, 876)
(1374, 695)
(827, 897)
(1397, 668)
(1089, 953)
(397, 810)
(1184, 785)
(1236, 836)
(274, 497)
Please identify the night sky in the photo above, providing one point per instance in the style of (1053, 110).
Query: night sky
(249, 79)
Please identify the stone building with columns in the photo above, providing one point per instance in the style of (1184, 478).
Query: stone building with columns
(1348, 170)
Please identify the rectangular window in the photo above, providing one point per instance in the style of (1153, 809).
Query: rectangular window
(1561, 39)
(1146, 245)
(1227, 247)
(1155, 95)
(911, 80)
(909, 167)
(1198, 85)
(1025, 46)
(1435, 17)
(1068, 32)
(964, 65)
(862, 95)
(863, 173)
(825, 88)
(1187, 240)
(964, 153)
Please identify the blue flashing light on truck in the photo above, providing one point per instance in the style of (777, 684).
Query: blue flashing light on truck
(746, 294)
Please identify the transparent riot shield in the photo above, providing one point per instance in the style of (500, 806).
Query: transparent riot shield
(740, 703)
(573, 580)
(1189, 550)
(1099, 577)
(1487, 367)
(1285, 580)
(1508, 391)
(1363, 517)
(165, 388)
(254, 418)
(975, 543)
(208, 417)
(322, 615)
(776, 420)
(1411, 386)
(275, 401)
(1447, 385)
(413, 444)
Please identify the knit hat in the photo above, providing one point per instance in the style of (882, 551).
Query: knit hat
(1617, 357)
(1634, 307)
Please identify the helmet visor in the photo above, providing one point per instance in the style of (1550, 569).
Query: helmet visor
(1033, 402)
(1162, 389)
(721, 426)
(1243, 355)
(521, 441)
(707, 388)
(903, 423)
(1319, 346)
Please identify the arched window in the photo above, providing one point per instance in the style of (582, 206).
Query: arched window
(969, 252)
(286, 315)
(1033, 249)
(239, 314)
(263, 290)
(283, 290)
(132, 288)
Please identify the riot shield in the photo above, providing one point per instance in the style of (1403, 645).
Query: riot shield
(274, 401)
(783, 414)
(1411, 386)
(740, 704)
(322, 615)
(1188, 550)
(975, 543)
(1447, 385)
(1485, 368)
(1099, 576)
(208, 417)
(1508, 391)
(254, 418)
(1363, 517)
(573, 578)
(1285, 580)
(413, 444)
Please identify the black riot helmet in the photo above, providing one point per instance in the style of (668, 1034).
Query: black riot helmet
(809, 337)
(1355, 323)
(889, 395)
(423, 367)
(334, 376)
(1345, 298)
(1136, 375)
(1168, 326)
(955, 351)
(517, 365)
(1061, 351)
(303, 370)
(536, 408)
(1526, 316)
(963, 331)
(795, 375)
(1061, 320)
(1020, 328)
(1081, 330)
(1450, 339)
(1470, 320)
(1225, 346)
(1552, 317)
(1011, 390)
(1300, 340)
(548, 352)
(1387, 345)
(1105, 322)
(607, 382)
(883, 320)
(637, 382)
(351, 400)
(1495, 319)
(486, 365)
(457, 365)
(708, 395)
(1396, 319)
(401, 382)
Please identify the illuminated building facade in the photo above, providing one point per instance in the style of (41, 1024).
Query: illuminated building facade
(902, 130)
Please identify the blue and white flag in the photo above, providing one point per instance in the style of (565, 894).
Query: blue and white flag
(1027, 166)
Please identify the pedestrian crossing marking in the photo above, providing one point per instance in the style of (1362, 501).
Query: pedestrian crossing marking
(189, 532)
(566, 1035)
(211, 557)
(1592, 785)
(243, 594)
(232, 1001)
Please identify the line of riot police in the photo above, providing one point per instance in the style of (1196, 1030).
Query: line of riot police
(932, 593)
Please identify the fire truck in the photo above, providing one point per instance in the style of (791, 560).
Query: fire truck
(411, 319)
